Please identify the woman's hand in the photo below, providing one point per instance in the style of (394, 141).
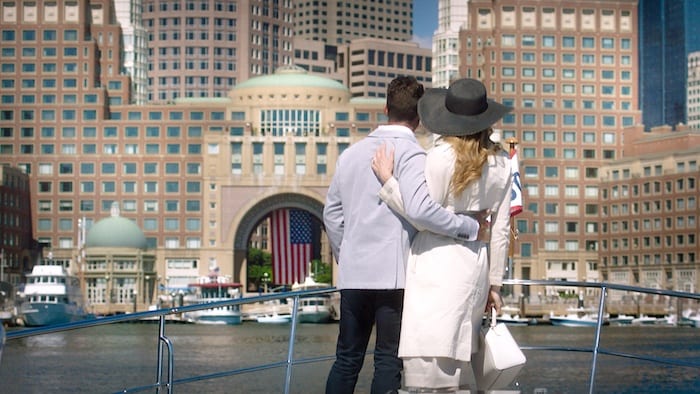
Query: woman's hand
(494, 300)
(383, 163)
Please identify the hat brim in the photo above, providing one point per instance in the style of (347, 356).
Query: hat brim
(439, 120)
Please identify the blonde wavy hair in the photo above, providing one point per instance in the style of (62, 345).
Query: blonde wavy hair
(471, 153)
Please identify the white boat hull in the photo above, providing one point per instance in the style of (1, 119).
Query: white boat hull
(214, 317)
(274, 319)
(314, 310)
(572, 322)
(38, 314)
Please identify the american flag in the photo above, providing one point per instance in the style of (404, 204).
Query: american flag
(291, 245)
(516, 196)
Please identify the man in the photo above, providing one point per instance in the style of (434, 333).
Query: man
(371, 243)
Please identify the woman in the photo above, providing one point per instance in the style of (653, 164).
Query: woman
(450, 283)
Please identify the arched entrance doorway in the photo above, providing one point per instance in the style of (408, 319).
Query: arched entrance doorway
(260, 212)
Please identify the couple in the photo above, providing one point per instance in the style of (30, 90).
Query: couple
(393, 218)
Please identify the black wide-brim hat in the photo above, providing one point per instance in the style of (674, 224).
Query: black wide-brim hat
(462, 109)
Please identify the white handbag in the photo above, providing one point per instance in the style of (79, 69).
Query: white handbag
(499, 358)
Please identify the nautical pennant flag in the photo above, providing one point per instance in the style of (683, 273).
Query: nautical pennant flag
(291, 245)
(516, 194)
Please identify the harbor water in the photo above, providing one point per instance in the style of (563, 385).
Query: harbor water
(109, 359)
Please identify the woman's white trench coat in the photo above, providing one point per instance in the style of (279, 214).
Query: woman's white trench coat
(447, 280)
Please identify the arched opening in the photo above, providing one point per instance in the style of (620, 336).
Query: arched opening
(258, 217)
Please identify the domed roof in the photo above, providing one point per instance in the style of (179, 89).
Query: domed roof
(115, 231)
(291, 76)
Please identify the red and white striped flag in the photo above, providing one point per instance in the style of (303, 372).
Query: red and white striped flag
(291, 245)
(516, 195)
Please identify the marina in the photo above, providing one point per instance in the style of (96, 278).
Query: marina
(249, 357)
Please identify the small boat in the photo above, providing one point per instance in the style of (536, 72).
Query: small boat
(576, 317)
(8, 309)
(645, 320)
(621, 320)
(510, 315)
(690, 318)
(213, 288)
(314, 308)
(274, 318)
(52, 295)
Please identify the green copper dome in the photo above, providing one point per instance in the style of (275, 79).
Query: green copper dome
(115, 231)
(291, 76)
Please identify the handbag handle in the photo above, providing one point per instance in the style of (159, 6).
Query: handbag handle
(493, 317)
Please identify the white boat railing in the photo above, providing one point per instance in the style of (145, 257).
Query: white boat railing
(165, 382)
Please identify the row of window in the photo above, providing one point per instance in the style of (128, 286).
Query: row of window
(149, 224)
(398, 60)
(547, 41)
(46, 68)
(551, 88)
(148, 187)
(648, 259)
(128, 168)
(649, 188)
(567, 73)
(191, 5)
(195, 65)
(189, 21)
(107, 149)
(682, 222)
(47, 98)
(149, 206)
(681, 240)
(47, 52)
(47, 35)
(170, 242)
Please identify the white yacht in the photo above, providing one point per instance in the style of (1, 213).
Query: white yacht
(52, 295)
(211, 289)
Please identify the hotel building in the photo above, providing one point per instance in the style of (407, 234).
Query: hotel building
(569, 71)
(649, 211)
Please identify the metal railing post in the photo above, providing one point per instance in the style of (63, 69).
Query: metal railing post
(596, 345)
(290, 354)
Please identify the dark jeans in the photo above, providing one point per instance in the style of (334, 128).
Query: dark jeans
(359, 311)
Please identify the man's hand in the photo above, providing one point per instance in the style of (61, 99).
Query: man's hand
(383, 163)
(484, 219)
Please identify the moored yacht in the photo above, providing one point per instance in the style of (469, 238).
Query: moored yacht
(52, 295)
(313, 308)
(214, 288)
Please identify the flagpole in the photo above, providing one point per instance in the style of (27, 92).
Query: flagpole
(513, 231)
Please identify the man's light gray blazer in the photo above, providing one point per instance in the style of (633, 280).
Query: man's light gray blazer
(370, 242)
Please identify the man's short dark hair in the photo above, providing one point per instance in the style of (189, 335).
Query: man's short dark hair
(402, 99)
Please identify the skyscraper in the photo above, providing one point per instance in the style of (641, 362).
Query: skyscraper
(452, 16)
(204, 48)
(668, 33)
(338, 22)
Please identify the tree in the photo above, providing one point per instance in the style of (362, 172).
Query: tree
(259, 263)
(322, 271)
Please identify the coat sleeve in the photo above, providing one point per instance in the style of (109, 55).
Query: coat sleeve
(391, 195)
(333, 216)
(420, 208)
(500, 234)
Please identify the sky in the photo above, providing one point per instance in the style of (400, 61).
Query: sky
(425, 19)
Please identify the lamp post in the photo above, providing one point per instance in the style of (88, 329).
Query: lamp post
(135, 296)
(265, 279)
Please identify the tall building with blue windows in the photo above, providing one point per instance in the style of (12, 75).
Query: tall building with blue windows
(668, 33)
